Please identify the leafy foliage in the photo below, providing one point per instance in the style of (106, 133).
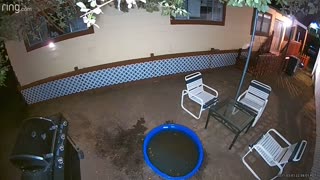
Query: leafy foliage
(305, 7)
(57, 12)
(168, 7)
(29, 18)
(90, 12)
(150, 5)
(261, 5)
(173, 8)
(292, 7)
(4, 68)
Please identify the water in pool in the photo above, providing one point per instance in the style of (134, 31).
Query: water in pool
(173, 153)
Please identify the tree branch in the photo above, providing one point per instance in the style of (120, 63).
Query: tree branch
(98, 6)
(47, 17)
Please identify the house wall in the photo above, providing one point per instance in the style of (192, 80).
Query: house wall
(316, 166)
(125, 36)
(115, 74)
(317, 90)
(259, 40)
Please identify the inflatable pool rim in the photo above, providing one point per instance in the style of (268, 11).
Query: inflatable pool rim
(177, 128)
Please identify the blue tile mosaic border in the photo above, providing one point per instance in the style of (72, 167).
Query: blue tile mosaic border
(123, 74)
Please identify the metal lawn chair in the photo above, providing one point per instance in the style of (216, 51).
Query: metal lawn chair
(196, 93)
(255, 98)
(273, 153)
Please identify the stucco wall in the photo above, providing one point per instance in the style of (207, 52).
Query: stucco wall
(316, 165)
(317, 90)
(124, 36)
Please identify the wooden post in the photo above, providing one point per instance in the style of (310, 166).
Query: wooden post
(294, 32)
(304, 41)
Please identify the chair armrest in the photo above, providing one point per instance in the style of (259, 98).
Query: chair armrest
(184, 92)
(265, 102)
(242, 95)
(300, 150)
(216, 92)
(278, 134)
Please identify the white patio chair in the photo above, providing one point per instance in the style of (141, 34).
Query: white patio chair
(197, 94)
(273, 153)
(255, 98)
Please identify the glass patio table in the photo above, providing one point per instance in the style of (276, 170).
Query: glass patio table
(233, 115)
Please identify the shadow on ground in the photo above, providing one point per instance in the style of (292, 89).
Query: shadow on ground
(123, 148)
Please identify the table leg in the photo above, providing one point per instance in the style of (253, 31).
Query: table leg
(234, 140)
(207, 120)
(248, 127)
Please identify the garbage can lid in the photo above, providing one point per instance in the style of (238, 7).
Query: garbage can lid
(294, 57)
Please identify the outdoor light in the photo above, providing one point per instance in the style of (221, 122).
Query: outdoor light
(51, 45)
(288, 23)
(314, 25)
(245, 46)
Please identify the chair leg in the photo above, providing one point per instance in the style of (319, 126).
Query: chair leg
(257, 117)
(208, 118)
(247, 165)
(280, 171)
(234, 111)
(193, 115)
(200, 113)
(248, 128)
(254, 173)
(256, 120)
(234, 140)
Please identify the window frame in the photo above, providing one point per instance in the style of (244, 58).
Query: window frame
(59, 38)
(29, 48)
(259, 33)
(201, 22)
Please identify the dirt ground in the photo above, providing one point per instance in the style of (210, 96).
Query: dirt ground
(109, 125)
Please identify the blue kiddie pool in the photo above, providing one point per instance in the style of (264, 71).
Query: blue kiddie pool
(173, 151)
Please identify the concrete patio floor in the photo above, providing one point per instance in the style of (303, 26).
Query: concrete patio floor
(108, 124)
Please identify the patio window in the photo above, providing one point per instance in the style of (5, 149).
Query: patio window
(211, 12)
(40, 32)
(263, 24)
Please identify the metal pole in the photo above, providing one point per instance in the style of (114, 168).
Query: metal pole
(249, 53)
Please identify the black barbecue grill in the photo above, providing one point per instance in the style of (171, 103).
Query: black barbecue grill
(43, 150)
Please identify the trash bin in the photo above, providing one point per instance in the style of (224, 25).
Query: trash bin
(293, 63)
